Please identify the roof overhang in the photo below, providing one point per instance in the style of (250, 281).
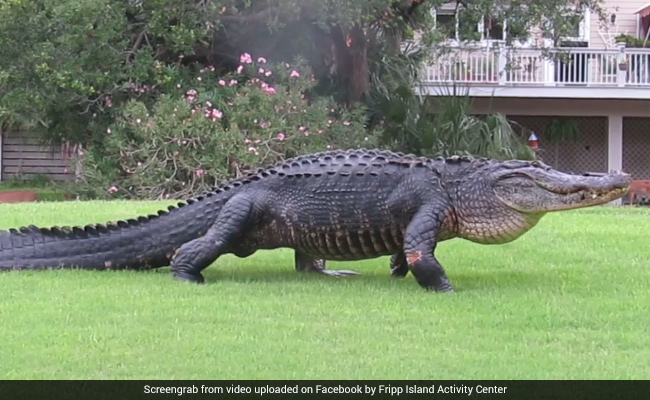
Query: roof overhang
(643, 11)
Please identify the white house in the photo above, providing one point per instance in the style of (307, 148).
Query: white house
(602, 87)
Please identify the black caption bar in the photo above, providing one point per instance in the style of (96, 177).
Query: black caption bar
(263, 390)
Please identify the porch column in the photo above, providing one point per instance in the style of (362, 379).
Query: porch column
(615, 145)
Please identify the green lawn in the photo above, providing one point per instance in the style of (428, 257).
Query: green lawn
(568, 300)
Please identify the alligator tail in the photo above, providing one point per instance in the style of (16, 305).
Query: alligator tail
(145, 242)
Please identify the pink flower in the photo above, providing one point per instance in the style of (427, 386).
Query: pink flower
(216, 114)
(267, 73)
(211, 67)
(198, 78)
(232, 82)
(280, 136)
(240, 69)
(108, 130)
(190, 94)
(247, 140)
(294, 74)
(208, 104)
(253, 150)
(261, 70)
(302, 128)
(245, 58)
(222, 82)
(112, 189)
(199, 173)
(261, 60)
(267, 89)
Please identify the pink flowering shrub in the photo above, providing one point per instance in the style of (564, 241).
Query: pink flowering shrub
(217, 127)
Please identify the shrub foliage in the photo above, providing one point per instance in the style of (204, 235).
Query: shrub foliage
(218, 126)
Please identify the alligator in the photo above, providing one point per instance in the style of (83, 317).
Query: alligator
(340, 205)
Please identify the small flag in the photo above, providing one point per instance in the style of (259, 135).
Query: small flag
(533, 141)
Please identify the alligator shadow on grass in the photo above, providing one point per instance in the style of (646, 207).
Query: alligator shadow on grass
(462, 281)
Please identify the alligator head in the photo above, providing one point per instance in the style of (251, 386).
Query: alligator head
(513, 196)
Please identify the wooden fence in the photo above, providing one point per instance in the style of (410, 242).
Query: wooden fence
(24, 157)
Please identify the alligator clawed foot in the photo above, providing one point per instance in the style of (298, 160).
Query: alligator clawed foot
(337, 272)
(399, 272)
(443, 288)
(188, 277)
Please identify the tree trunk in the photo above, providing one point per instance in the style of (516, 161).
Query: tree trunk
(359, 71)
(351, 61)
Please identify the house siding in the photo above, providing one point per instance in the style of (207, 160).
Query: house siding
(626, 22)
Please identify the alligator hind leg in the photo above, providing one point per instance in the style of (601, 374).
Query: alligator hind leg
(311, 264)
(399, 267)
(196, 255)
(419, 244)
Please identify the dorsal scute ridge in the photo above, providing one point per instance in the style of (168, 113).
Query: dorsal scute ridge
(362, 156)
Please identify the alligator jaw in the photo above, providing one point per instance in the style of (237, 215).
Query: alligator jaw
(546, 190)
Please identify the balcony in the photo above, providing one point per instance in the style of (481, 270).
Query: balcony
(552, 73)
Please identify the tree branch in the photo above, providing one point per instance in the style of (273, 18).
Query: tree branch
(138, 42)
(246, 19)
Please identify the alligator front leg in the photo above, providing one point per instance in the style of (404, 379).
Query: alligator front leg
(196, 255)
(419, 244)
(399, 268)
(311, 264)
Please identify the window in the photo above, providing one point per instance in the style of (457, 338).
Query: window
(454, 28)
(470, 27)
(446, 23)
(578, 28)
(516, 32)
(481, 29)
(493, 28)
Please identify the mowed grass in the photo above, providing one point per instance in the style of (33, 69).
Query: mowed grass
(568, 300)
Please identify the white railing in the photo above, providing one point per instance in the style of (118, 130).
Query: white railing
(500, 65)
